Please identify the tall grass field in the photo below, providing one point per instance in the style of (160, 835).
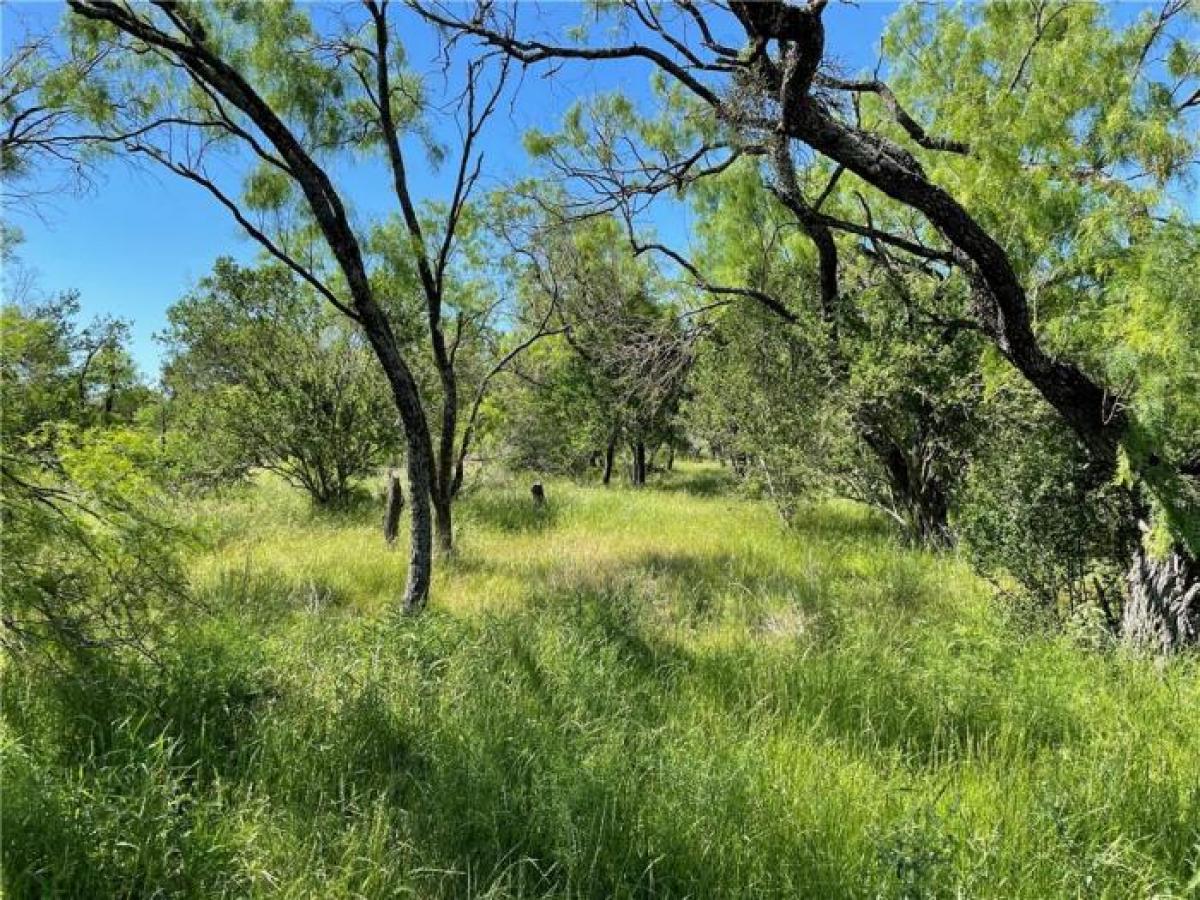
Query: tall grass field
(625, 693)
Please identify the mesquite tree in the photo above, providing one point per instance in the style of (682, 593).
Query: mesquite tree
(264, 88)
(756, 78)
(631, 339)
(877, 403)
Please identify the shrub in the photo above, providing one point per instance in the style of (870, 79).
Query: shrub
(1032, 509)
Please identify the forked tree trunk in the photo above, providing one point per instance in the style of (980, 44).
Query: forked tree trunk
(1162, 611)
(203, 61)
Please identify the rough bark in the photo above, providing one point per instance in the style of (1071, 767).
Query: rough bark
(1162, 611)
(393, 507)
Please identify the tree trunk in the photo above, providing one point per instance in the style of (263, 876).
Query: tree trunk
(395, 503)
(739, 463)
(638, 471)
(419, 450)
(610, 453)
(1162, 612)
(444, 490)
(443, 522)
(917, 496)
(420, 556)
(930, 516)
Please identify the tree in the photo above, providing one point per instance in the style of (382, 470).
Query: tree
(548, 417)
(877, 402)
(321, 423)
(81, 375)
(181, 84)
(778, 92)
(633, 346)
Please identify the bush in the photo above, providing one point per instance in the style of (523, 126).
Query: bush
(1032, 509)
(92, 558)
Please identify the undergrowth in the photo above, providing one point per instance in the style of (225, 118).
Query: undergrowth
(623, 694)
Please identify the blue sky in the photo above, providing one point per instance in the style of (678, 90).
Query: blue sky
(138, 239)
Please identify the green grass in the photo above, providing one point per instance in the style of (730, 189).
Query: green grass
(654, 693)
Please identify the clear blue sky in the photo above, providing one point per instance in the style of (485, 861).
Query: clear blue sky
(137, 240)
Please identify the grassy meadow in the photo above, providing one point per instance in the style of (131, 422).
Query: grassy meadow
(625, 694)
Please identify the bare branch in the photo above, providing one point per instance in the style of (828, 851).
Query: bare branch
(898, 113)
(197, 177)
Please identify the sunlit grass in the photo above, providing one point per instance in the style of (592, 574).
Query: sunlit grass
(627, 693)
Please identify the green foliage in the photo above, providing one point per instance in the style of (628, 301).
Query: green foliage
(91, 555)
(91, 551)
(1031, 510)
(552, 419)
(1148, 321)
(872, 400)
(762, 400)
(1081, 164)
(54, 370)
(619, 694)
(264, 374)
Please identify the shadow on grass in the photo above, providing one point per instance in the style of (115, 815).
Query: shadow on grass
(852, 666)
(515, 749)
(842, 520)
(706, 482)
(512, 511)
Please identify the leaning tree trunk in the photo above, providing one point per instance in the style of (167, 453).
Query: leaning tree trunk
(419, 450)
(1162, 611)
